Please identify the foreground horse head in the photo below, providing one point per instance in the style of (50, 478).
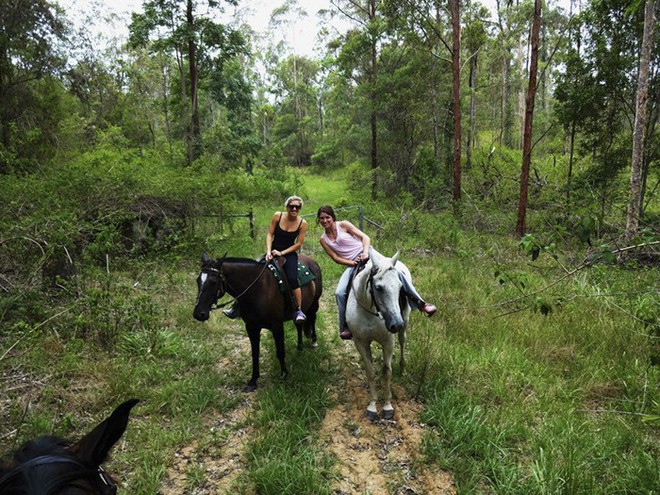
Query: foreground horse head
(385, 287)
(262, 304)
(53, 466)
(377, 311)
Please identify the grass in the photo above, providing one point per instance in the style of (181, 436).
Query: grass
(526, 403)
(516, 402)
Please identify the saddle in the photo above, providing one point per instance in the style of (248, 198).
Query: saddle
(305, 275)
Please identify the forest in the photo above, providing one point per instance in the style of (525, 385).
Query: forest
(510, 153)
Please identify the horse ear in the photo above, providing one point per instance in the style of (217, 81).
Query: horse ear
(94, 446)
(205, 258)
(395, 258)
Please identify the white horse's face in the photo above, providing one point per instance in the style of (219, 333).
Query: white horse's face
(386, 292)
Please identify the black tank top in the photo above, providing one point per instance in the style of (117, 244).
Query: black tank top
(284, 239)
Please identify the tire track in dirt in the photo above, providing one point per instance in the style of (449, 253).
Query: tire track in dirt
(372, 458)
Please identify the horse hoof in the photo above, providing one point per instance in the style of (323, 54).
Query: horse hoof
(300, 347)
(389, 414)
(315, 343)
(250, 387)
(372, 416)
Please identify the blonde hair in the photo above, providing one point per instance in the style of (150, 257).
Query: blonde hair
(293, 198)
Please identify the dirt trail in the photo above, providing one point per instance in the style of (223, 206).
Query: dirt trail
(383, 457)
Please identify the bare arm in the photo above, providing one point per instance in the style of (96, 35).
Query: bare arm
(270, 234)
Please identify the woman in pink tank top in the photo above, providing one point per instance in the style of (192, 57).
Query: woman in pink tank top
(347, 245)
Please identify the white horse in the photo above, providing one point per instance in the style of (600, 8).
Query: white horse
(377, 311)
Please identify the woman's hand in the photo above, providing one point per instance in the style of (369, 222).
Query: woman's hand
(273, 254)
(360, 259)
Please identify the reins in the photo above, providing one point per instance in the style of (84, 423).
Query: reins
(224, 280)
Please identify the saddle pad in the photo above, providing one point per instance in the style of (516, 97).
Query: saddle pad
(305, 275)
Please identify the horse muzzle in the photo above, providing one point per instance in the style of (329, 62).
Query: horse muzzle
(394, 324)
(201, 315)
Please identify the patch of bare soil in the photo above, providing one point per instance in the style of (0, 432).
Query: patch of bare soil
(212, 468)
(381, 457)
(373, 458)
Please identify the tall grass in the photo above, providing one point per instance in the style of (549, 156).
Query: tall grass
(526, 403)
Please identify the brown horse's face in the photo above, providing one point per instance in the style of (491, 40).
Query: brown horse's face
(210, 288)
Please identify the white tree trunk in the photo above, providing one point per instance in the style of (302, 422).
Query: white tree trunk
(635, 199)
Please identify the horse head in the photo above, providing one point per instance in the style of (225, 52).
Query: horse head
(52, 466)
(210, 287)
(386, 288)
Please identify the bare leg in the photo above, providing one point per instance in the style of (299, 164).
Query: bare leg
(297, 294)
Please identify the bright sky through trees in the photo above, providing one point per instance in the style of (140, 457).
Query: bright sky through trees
(111, 18)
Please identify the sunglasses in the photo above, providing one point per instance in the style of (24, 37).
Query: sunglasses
(294, 207)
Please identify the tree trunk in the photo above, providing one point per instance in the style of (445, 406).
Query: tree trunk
(373, 118)
(569, 178)
(529, 118)
(456, 72)
(471, 126)
(194, 148)
(635, 200)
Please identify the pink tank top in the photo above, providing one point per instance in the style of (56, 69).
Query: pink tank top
(345, 245)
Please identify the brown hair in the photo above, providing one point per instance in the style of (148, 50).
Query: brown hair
(328, 211)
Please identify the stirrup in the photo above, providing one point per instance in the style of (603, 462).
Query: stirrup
(232, 312)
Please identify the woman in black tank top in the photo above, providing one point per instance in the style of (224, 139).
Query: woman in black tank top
(285, 237)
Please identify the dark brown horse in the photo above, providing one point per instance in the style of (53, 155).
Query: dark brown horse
(262, 303)
(53, 466)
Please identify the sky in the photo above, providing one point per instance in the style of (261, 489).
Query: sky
(300, 35)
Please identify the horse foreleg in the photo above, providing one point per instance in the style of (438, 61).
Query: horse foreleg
(388, 350)
(402, 358)
(278, 336)
(367, 362)
(254, 333)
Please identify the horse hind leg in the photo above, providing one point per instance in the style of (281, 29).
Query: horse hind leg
(310, 328)
(299, 328)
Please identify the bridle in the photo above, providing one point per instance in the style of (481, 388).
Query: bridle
(103, 480)
(370, 285)
(223, 285)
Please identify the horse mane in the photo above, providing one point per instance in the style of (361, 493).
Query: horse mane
(245, 261)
